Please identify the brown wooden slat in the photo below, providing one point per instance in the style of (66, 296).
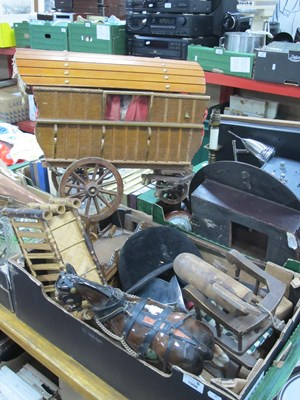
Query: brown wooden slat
(28, 224)
(24, 65)
(46, 266)
(138, 85)
(72, 102)
(65, 56)
(120, 124)
(45, 256)
(111, 75)
(49, 288)
(47, 277)
(38, 246)
(166, 167)
(37, 235)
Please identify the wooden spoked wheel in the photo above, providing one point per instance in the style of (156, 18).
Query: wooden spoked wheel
(96, 183)
(170, 193)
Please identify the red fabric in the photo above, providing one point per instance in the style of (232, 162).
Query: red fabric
(113, 107)
(4, 154)
(138, 109)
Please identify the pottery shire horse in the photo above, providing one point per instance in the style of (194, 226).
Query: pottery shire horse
(147, 329)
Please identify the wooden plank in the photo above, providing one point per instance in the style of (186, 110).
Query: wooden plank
(46, 266)
(117, 83)
(261, 121)
(121, 124)
(37, 235)
(155, 69)
(65, 56)
(49, 289)
(48, 277)
(83, 381)
(44, 256)
(28, 224)
(38, 246)
(88, 91)
(111, 75)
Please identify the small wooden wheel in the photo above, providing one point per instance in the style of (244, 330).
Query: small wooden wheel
(96, 183)
(172, 194)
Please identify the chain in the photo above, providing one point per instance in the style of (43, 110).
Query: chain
(118, 338)
(132, 296)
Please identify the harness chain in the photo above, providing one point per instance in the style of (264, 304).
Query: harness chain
(138, 316)
(116, 337)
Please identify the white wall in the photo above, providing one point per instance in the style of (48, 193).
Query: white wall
(287, 13)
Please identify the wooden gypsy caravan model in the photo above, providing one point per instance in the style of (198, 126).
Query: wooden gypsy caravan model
(99, 112)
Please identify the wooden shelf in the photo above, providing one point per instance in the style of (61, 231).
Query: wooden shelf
(7, 51)
(61, 364)
(230, 81)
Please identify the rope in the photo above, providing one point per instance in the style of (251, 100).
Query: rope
(117, 338)
(277, 324)
(16, 75)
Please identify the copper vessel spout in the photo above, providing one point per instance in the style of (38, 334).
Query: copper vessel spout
(13, 192)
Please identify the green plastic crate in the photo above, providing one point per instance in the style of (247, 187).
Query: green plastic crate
(47, 35)
(90, 37)
(22, 34)
(217, 59)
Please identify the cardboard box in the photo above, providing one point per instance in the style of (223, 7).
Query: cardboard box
(252, 107)
(108, 360)
(217, 59)
(278, 62)
(7, 35)
(13, 105)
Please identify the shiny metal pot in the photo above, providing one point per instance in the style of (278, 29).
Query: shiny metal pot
(242, 42)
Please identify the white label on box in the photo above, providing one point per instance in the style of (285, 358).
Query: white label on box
(292, 241)
(103, 32)
(168, 5)
(262, 54)
(240, 64)
(213, 396)
(193, 383)
(63, 30)
(219, 51)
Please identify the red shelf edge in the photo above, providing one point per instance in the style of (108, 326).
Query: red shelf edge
(8, 51)
(251, 84)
